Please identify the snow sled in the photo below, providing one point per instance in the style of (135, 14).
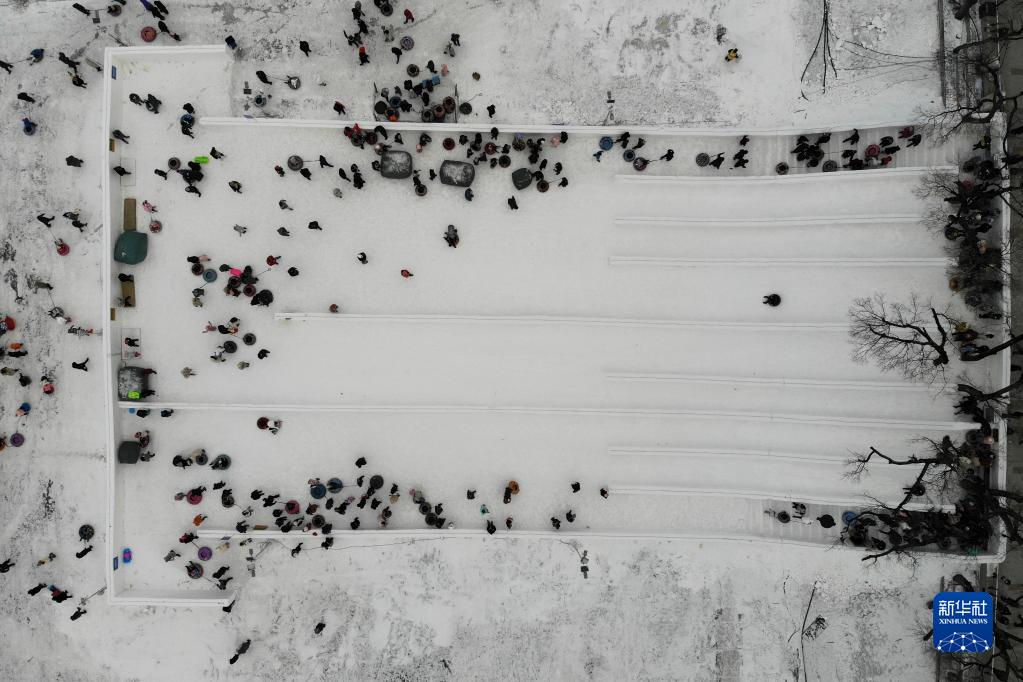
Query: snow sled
(522, 178)
(221, 462)
(396, 165)
(457, 173)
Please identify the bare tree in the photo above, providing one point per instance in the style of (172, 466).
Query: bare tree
(910, 338)
(998, 397)
(885, 530)
(823, 48)
(940, 467)
(995, 34)
(973, 107)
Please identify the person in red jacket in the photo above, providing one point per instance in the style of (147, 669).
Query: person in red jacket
(408, 16)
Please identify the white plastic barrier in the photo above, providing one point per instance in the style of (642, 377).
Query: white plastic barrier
(347, 318)
(871, 262)
(837, 176)
(661, 413)
(657, 221)
(529, 128)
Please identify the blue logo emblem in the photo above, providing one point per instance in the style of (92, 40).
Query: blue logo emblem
(963, 622)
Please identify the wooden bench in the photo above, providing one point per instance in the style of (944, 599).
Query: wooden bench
(128, 221)
(128, 294)
(128, 218)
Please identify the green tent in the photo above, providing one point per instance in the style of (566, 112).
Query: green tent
(131, 247)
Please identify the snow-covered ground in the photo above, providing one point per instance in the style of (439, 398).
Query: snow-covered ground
(515, 607)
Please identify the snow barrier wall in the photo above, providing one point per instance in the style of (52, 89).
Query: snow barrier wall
(118, 592)
(533, 129)
(999, 543)
(117, 59)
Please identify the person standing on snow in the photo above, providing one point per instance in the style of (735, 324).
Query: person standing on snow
(451, 236)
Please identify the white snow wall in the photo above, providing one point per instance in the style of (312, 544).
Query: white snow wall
(114, 193)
